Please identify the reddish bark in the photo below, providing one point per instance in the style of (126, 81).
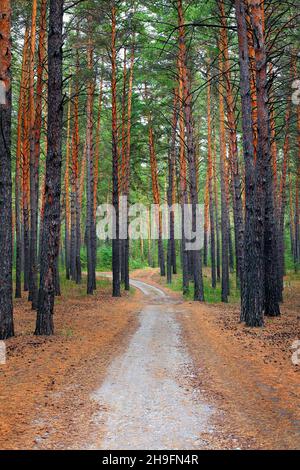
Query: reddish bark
(18, 190)
(224, 194)
(97, 146)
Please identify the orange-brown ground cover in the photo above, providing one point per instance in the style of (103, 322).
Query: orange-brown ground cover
(45, 385)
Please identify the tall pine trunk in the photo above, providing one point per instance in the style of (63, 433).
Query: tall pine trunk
(90, 224)
(216, 205)
(264, 164)
(182, 180)
(32, 295)
(171, 190)
(123, 163)
(22, 97)
(127, 165)
(234, 163)
(224, 198)
(252, 290)
(51, 220)
(210, 188)
(75, 202)
(155, 192)
(26, 175)
(6, 303)
(68, 253)
(115, 163)
(282, 200)
(190, 153)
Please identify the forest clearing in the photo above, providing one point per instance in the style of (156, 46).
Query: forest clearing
(149, 225)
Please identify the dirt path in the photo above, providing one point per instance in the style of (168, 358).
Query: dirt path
(146, 398)
(247, 374)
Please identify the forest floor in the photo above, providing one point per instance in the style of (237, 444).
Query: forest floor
(46, 383)
(89, 385)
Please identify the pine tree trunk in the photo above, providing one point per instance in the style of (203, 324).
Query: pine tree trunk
(264, 163)
(282, 201)
(90, 178)
(115, 163)
(210, 188)
(297, 215)
(69, 254)
(123, 162)
(231, 114)
(182, 182)
(37, 144)
(32, 294)
(206, 222)
(171, 189)
(252, 298)
(155, 191)
(224, 193)
(75, 203)
(190, 142)
(216, 205)
(97, 145)
(22, 96)
(127, 166)
(6, 302)
(230, 254)
(51, 220)
(292, 218)
(26, 175)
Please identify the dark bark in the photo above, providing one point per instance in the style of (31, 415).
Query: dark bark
(272, 293)
(263, 165)
(190, 153)
(171, 254)
(32, 294)
(51, 220)
(90, 223)
(56, 277)
(115, 164)
(6, 303)
(252, 288)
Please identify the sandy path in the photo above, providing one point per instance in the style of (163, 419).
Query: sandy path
(146, 397)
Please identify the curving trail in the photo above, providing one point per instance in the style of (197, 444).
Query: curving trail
(146, 398)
